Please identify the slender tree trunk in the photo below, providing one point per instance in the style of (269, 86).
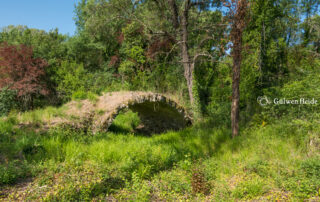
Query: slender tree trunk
(238, 25)
(235, 95)
(180, 23)
(188, 74)
(188, 65)
(188, 70)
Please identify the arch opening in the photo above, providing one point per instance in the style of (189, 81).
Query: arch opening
(154, 118)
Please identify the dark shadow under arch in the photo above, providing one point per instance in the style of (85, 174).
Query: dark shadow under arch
(158, 117)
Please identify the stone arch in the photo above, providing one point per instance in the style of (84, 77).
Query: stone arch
(157, 112)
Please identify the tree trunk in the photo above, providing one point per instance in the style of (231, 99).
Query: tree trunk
(238, 25)
(188, 74)
(180, 23)
(188, 65)
(235, 96)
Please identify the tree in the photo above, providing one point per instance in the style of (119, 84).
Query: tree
(50, 46)
(313, 27)
(309, 8)
(237, 13)
(168, 28)
(20, 71)
(98, 25)
(180, 19)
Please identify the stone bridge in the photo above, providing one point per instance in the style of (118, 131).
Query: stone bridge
(157, 112)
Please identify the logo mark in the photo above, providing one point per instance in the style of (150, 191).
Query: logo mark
(263, 100)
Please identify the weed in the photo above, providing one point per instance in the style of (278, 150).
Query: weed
(198, 181)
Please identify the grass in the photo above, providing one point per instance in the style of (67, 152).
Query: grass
(40, 115)
(279, 161)
(125, 122)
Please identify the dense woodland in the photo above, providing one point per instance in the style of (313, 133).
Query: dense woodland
(176, 47)
(215, 57)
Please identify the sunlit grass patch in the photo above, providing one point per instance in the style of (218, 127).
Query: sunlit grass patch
(125, 122)
(42, 115)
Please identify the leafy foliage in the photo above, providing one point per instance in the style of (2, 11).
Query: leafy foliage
(23, 73)
(7, 100)
(71, 78)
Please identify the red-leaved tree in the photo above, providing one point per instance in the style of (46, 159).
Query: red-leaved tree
(20, 71)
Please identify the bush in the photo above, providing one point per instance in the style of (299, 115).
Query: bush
(7, 100)
(306, 88)
(24, 73)
(71, 79)
(311, 168)
(101, 80)
(79, 95)
(305, 182)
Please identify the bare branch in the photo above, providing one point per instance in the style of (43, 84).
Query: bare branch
(202, 55)
(173, 47)
(205, 39)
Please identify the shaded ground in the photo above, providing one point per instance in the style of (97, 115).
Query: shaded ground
(158, 117)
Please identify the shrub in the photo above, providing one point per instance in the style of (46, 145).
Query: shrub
(71, 79)
(7, 100)
(23, 73)
(306, 88)
(92, 97)
(198, 181)
(311, 168)
(79, 95)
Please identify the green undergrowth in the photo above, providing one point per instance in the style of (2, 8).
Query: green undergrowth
(36, 117)
(276, 161)
(125, 122)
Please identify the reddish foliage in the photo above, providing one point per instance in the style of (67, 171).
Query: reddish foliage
(114, 60)
(21, 72)
(158, 46)
(120, 38)
(198, 182)
(116, 75)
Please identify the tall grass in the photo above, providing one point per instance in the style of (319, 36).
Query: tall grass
(265, 162)
(40, 115)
